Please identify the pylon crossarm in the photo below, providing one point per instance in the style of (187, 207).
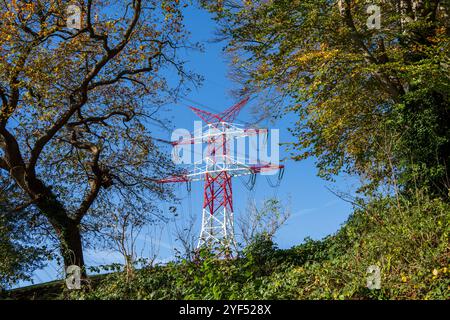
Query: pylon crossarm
(206, 116)
(171, 179)
(228, 115)
(265, 167)
(236, 169)
(218, 131)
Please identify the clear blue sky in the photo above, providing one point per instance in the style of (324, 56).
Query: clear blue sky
(316, 212)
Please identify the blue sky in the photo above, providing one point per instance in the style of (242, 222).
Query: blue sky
(315, 211)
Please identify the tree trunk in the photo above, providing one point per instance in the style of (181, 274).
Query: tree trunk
(71, 246)
(67, 229)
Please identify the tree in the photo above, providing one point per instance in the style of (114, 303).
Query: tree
(122, 232)
(264, 221)
(186, 234)
(77, 106)
(20, 252)
(351, 80)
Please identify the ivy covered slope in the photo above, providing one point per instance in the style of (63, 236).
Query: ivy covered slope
(406, 237)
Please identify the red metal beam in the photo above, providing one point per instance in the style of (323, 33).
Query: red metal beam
(229, 115)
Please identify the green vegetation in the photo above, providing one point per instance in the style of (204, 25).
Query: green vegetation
(407, 239)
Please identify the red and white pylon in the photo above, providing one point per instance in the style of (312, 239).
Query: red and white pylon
(217, 169)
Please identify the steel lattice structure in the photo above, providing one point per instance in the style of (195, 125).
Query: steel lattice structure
(217, 169)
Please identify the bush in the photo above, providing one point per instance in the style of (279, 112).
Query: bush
(406, 237)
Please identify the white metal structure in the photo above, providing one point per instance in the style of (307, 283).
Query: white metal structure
(217, 168)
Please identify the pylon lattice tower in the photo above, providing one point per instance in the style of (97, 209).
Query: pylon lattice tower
(217, 169)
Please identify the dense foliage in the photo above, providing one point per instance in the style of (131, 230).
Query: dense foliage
(371, 94)
(407, 239)
(77, 107)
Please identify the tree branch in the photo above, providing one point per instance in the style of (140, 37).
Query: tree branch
(92, 34)
(3, 97)
(11, 148)
(121, 75)
(95, 183)
(395, 89)
(82, 90)
(8, 108)
(3, 164)
(128, 117)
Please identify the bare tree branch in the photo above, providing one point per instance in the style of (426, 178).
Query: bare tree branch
(128, 116)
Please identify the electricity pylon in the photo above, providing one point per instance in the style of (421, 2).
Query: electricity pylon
(217, 169)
